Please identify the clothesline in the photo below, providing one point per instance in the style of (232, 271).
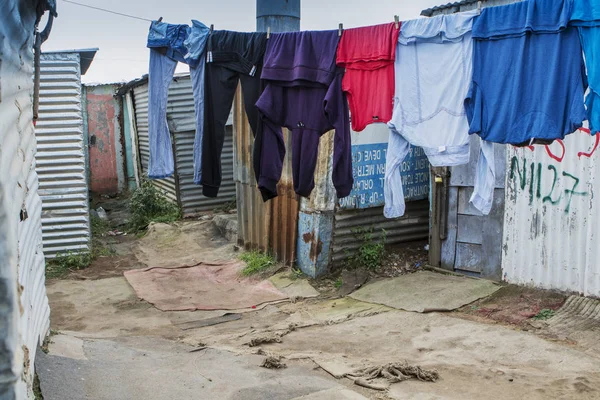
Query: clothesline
(434, 81)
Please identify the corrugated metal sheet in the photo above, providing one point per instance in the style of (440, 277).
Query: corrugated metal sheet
(272, 225)
(552, 218)
(414, 225)
(464, 5)
(23, 303)
(182, 123)
(167, 186)
(60, 157)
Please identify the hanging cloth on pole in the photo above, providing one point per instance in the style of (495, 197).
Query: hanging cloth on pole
(170, 44)
(303, 92)
(368, 55)
(528, 74)
(433, 71)
(586, 16)
(231, 57)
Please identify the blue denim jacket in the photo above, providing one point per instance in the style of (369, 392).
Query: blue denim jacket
(171, 37)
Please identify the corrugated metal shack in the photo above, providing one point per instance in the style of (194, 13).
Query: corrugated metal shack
(24, 311)
(62, 153)
(182, 124)
(461, 238)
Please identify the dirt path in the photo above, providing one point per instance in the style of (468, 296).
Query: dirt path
(111, 335)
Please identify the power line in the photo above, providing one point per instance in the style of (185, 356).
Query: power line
(108, 11)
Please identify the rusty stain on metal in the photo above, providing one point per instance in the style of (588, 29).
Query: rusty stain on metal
(273, 225)
(102, 111)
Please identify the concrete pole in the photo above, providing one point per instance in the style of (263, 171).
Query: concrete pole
(279, 15)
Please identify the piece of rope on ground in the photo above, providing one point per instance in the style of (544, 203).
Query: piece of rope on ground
(392, 373)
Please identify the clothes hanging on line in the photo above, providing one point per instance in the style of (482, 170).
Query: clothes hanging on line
(170, 44)
(433, 72)
(231, 57)
(368, 55)
(303, 92)
(586, 16)
(528, 74)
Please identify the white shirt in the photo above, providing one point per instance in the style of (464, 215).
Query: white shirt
(433, 71)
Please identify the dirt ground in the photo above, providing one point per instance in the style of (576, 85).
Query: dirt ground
(489, 349)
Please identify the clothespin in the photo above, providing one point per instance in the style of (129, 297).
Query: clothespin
(160, 19)
(397, 21)
(479, 7)
(268, 32)
(341, 28)
(212, 28)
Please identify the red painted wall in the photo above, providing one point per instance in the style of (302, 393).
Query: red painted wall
(103, 120)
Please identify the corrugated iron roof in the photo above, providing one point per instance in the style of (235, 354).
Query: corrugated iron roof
(429, 11)
(86, 56)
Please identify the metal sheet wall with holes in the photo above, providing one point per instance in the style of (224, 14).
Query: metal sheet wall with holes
(60, 159)
(24, 311)
(182, 123)
(272, 225)
(552, 218)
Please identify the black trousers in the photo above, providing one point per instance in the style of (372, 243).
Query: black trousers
(233, 57)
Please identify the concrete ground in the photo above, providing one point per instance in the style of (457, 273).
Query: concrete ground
(108, 344)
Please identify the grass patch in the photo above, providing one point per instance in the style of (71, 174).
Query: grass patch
(64, 263)
(256, 262)
(147, 204)
(338, 283)
(370, 253)
(544, 314)
(37, 390)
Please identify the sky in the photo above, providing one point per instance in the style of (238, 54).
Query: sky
(123, 56)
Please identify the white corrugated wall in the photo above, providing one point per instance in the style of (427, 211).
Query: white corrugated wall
(552, 218)
(61, 156)
(24, 312)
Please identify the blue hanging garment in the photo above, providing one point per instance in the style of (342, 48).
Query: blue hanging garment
(528, 74)
(586, 16)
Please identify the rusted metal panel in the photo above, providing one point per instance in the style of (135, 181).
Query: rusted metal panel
(60, 159)
(182, 124)
(552, 218)
(273, 225)
(24, 311)
(414, 225)
(105, 139)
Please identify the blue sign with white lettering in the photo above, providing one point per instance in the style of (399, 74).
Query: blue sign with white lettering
(368, 165)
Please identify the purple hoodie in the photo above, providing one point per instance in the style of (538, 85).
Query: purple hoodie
(303, 92)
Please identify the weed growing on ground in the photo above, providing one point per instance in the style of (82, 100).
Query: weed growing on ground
(544, 314)
(338, 283)
(74, 261)
(66, 262)
(37, 390)
(256, 261)
(370, 253)
(147, 205)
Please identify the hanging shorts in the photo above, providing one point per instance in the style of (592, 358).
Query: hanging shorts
(528, 74)
(368, 55)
